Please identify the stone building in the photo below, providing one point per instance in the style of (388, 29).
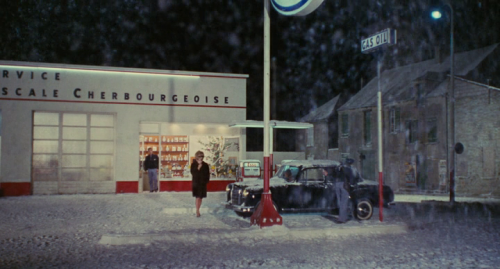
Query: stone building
(319, 141)
(415, 125)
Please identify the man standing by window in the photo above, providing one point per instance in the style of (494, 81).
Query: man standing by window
(151, 165)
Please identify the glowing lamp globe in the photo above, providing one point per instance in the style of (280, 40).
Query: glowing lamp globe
(436, 14)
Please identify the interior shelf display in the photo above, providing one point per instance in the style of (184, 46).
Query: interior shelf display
(172, 150)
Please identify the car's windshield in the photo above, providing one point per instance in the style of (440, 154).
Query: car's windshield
(283, 168)
(312, 175)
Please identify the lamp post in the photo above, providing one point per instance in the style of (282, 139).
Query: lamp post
(265, 214)
(436, 14)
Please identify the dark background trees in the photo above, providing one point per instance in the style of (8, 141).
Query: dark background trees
(315, 57)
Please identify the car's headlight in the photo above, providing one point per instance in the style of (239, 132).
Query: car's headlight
(245, 193)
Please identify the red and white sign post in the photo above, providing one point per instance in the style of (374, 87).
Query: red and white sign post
(265, 214)
(372, 43)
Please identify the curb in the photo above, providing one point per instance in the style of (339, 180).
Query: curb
(190, 210)
(255, 233)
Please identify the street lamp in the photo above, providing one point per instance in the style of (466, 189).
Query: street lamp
(436, 14)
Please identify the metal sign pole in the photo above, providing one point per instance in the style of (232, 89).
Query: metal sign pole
(380, 145)
(376, 42)
(265, 214)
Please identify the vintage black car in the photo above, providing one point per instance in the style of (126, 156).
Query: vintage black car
(308, 191)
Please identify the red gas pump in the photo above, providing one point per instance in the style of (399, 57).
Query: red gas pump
(249, 169)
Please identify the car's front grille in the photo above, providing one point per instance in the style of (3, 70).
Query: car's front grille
(236, 196)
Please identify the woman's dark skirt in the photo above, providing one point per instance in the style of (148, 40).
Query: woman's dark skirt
(199, 190)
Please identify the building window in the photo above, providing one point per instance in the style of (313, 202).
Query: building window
(344, 157)
(73, 146)
(367, 134)
(310, 137)
(345, 125)
(394, 120)
(411, 131)
(420, 93)
(431, 130)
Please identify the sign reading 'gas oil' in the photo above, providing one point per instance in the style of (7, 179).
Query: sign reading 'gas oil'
(376, 41)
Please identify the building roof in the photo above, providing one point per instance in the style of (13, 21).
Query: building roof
(489, 87)
(398, 84)
(323, 112)
(122, 69)
(276, 124)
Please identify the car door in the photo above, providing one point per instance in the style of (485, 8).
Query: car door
(329, 194)
(313, 186)
(293, 196)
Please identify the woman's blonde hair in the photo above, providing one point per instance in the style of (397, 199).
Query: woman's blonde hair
(198, 153)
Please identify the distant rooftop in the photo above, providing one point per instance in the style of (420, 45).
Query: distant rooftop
(396, 84)
(323, 112)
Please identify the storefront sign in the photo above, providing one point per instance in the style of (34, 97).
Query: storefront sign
(117, 87)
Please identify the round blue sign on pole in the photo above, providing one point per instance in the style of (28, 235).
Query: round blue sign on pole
(295, 7)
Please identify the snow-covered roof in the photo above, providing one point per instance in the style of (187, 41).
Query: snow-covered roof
(396, 84)
(478, 84)
(323, 112)
(313, 163)
(276, 124)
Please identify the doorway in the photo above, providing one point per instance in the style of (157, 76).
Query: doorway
(367, 163)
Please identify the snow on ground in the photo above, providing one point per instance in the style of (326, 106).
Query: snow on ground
(160, 230)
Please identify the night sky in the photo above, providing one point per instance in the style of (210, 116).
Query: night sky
(315, 57)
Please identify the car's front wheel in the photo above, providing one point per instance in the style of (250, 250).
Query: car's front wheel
(363, 210)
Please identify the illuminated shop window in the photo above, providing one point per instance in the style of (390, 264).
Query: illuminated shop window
(73, 146)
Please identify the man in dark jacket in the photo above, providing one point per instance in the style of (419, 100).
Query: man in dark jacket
(151, 165)
(342, 189)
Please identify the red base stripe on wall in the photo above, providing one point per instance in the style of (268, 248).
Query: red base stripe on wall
(213, 185)
(175, 185)
(218, 185)
(15, 188)
(127, 187)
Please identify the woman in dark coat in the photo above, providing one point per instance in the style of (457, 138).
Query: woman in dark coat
(201, 175)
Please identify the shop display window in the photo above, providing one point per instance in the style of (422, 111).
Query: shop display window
(172, 150)
(221, 153)
(176, 149)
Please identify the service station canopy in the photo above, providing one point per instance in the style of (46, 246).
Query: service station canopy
(272, 123)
